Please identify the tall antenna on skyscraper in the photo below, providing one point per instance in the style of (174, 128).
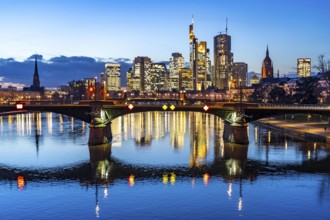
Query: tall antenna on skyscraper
(226, 25)
(192, 19)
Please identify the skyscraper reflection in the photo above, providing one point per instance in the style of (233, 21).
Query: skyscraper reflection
(199, 138)
(178, 129)
(144, 127)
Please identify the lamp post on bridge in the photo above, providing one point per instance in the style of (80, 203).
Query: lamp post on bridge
(94, 110)
(240, 91)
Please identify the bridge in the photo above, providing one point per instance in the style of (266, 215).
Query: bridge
(100, 113)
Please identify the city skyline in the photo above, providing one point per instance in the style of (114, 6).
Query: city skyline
(128, 29)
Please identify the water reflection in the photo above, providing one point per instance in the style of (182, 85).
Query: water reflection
(275, 147)
(180, 153)
(101, 165)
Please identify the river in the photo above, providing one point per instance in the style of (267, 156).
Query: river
(159, 165)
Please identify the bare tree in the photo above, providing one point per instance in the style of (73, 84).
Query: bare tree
(323, 65)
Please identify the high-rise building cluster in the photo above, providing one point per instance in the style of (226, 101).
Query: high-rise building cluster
(200, 64)
(224, 74)
(147, 76)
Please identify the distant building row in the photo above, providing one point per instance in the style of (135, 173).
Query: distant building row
(146, 76)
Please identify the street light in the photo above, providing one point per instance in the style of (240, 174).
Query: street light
(95, 94)
(308, 117)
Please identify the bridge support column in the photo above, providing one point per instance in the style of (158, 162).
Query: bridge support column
(97, 132)
(108, 131)
(236, 132)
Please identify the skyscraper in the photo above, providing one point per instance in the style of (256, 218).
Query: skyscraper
(202, 65)
(141, 70)
(199, 60)
(159, 76)
(304, 67)
(176, 62)
(185, 81)
(223, 61)
(267, 67)
(193, 54)
(240, 70)
(112, 75)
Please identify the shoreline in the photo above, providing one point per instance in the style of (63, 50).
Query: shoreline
(316, 131)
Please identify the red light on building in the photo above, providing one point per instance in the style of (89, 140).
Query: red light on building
(91, 88)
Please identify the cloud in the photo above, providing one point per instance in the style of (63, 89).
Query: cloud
(58, 70)
(4, 61)
(32, 57)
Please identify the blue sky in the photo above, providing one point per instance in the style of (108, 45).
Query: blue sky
(157, 28)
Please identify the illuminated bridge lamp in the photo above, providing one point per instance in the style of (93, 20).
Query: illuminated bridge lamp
(206, 108)
(165, 107)
(172, 107)
(19, 106)
(130, 106)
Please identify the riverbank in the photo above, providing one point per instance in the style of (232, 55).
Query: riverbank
(318, 131)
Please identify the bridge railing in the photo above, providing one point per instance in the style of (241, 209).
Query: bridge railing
(294, 106)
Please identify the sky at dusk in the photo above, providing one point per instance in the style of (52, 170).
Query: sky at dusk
(157, 28)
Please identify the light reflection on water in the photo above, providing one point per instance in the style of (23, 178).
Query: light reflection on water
(159, 165)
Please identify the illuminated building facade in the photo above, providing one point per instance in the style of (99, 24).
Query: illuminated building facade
(304, 67)
(129, 79)
(254, 79)
(185, 76)
(208, 70)
(176, 62)
(267, 67)
(240, 71)
(200, 65)
(223, 61)
(112, 75)
(159, 75)
(141, 71)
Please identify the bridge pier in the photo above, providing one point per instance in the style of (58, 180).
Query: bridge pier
(108, 131)
(236, 132)
(97, 132)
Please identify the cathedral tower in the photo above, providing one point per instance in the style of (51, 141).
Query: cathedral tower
(267, 67)
(36, 81)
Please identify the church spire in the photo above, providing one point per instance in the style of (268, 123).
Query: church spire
(36, 81)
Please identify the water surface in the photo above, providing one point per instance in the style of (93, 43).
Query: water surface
(159, 165)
